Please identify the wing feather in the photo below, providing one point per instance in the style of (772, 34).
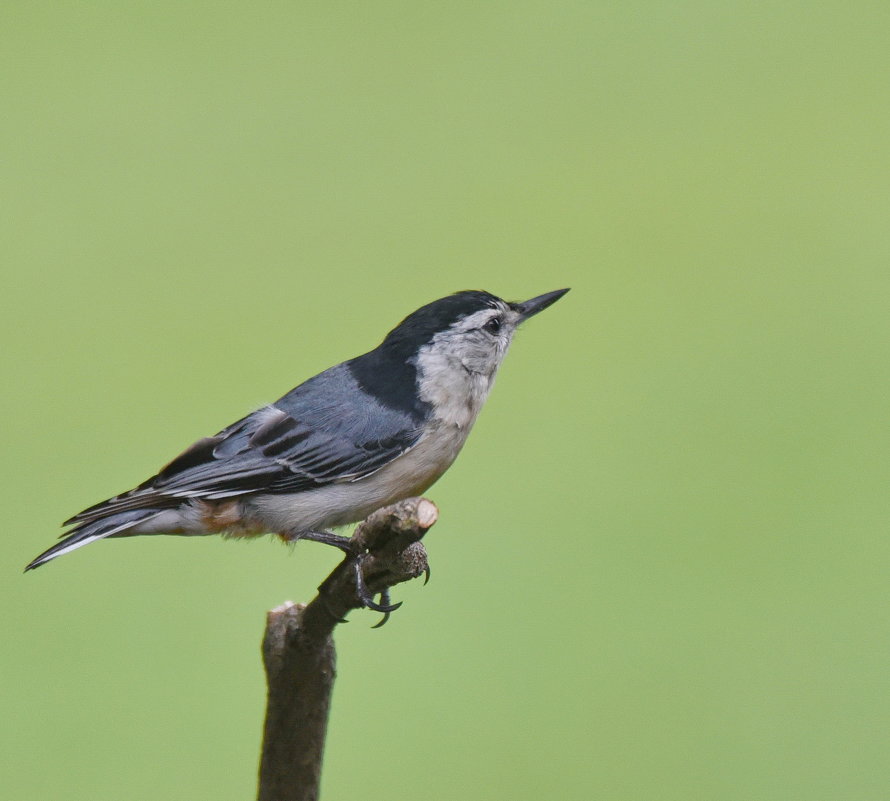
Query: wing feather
(324, 431)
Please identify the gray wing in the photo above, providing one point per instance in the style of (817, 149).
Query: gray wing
(324, 431)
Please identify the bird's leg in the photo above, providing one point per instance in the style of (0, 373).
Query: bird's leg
(355, 558)
(328, 538)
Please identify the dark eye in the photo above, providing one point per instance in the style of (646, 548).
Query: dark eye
(493, 325)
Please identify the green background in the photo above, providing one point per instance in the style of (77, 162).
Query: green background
(661, 568)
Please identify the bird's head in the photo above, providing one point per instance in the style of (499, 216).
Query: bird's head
(468, 331)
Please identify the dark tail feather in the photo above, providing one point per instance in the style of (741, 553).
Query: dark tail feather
(86, 533)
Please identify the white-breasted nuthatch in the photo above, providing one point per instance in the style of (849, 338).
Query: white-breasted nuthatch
(357, 437)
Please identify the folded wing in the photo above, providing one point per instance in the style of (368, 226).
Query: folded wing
(319, 433)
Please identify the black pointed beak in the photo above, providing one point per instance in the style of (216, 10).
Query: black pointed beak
(531, 307)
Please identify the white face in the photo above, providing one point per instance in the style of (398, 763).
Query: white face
(458, 366)
(479, 341)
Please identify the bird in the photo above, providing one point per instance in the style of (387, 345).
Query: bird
(358, 436)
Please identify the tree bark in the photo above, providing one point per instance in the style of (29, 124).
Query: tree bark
(299, 654)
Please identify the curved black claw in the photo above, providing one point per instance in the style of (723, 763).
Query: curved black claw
(365, 595)
(385, 608)
(426, 575)
(384, 599)
(382, 621)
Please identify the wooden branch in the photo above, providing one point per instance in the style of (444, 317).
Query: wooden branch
(299, 654)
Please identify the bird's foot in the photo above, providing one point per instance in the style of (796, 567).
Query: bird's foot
(366, 596)
(354, 561)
